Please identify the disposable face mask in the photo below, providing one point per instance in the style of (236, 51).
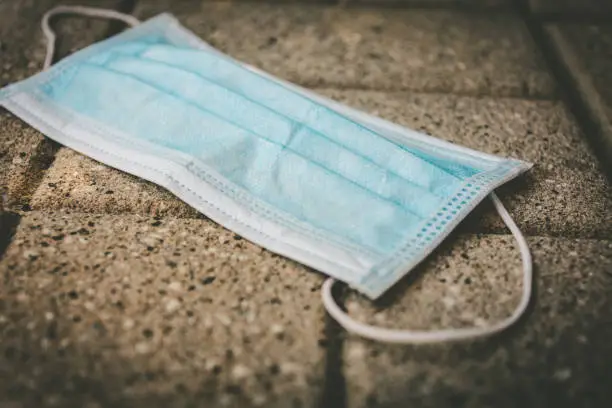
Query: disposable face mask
(348, 194)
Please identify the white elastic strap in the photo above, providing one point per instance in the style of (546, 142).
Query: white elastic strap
(437, 336)
(80, 10)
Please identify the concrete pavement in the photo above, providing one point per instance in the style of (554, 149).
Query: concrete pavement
(115, 293)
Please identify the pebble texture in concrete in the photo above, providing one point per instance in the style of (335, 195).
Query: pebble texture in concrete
(568, 7)
(77, 182)
(422, 50)
(557, 355)
(593, 47)
(104, 305)
(23, 44)
(24, 152)
(480, 4)
(139, 311)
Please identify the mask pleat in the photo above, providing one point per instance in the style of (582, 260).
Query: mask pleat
(349, 134)
(265, 123)
(266, 168)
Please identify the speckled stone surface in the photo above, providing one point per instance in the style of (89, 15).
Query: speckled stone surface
(486, 4)
(24, 152)
(469, 4)
(75, 181)
(113, 293)
(139, 311)
(570, 7)
(558, 355)
(22, 41)
(593, 47)
(424, 50)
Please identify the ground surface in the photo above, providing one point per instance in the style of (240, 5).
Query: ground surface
(114, 293)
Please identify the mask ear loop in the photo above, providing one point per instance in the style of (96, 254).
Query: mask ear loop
(438, 336)
(80, 10)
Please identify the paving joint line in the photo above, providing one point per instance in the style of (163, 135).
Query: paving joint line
(42, 159)
(575, 16)
(9, 221)
(50, 146)
(334, 393)
(449, 5)
(115, 27)
(577, 91)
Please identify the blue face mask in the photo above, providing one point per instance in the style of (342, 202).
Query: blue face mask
(356, 197)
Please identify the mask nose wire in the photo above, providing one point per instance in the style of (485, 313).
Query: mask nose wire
(438, 336)
(79, 10)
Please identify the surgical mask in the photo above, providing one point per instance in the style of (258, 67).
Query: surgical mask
(351, 195)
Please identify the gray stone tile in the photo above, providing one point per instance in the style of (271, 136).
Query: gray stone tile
(571, 8)
(23, 44)
(484, 4)
(423, 50)
(564, 194)
(593, 46)
(583, 54)
(136, 311)
(555, 356)
(406, 3)
(468, 4)
(24, 152)
(77, 182)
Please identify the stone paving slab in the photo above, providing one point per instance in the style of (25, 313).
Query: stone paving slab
(75, 181)
(24, 152)
(464, 4)
(565, 193)
(593, 46)
(422, 50)
(583, 52)
(558, 355)
(139, 311)
(570, 8)
(23, 44)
